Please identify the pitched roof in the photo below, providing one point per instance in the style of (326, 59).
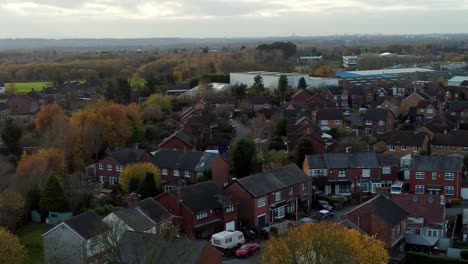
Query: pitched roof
(259, 100)
(387, 160)
(336, 90)
(183, 160)
(457, 106)
(428, 207)
(128, 155)
(202, 196)
(181, 136)
(377, 114)
(436, 163)
(329, 114)
(455, 138)
(267, 182)
(135, 219)
(366, 159)
(385, 209)
(153, 210)
(218, 100)
(404, 137)
(87, 225)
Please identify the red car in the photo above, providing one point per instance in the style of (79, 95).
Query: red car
(247, 249)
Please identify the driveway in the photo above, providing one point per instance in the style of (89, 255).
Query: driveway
(241, 131)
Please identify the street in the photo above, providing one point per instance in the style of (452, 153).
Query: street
(241, 130)
(250, 260)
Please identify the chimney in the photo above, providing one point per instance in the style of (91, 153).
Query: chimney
(348, 150)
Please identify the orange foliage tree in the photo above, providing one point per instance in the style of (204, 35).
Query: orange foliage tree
(35, 168)
(324, 243)
(48, 117)
(325, 71)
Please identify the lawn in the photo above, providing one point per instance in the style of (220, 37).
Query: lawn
(26, 87)
(31, 237)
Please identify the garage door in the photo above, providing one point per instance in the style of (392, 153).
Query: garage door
(231, 225)
(464, 193)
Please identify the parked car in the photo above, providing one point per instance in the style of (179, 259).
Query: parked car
(227, 239)
(305, 220)
(325, 214)
(248, 233)
(325, 205)
(247, 249)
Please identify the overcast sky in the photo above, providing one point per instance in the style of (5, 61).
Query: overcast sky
(227, 18)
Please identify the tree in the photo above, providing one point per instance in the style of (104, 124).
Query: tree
(53, 197)
(35, 168)
(12, 206)
(258, 87)
(45, 119)
(324, 242)
(11, 134)
(139, 171)
(302, 84)
(148, 187)
(11, 248)
(243, 157)
(304, 147)
(133, 185)
(325, 71)
(10, 88)
(239, 91)
(282, 86)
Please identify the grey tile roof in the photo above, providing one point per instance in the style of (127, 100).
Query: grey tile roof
(330, 114)
(183, 160)
(387, 160)
(153, 210)
(385, 209)
(88, 225)
(457, 106)
(202, 196)
(128, 155)
(356, 120)
(267, 182)
(377, 114)
(135, 219)
(437, 163)
(219, 100)
(455, 138)
(404, 137)
(181, 136)
(366, 159)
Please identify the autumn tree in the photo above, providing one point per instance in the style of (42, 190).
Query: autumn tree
(304, 147)
(325, 71)
(302, 84)
(324, 242)
(282, 86)
(11, 250)
(12, 206)
(53, 197)
(45, 119)
(244, 157)
(35, 168)
(11, 134)
(10, 88)
(139, 171)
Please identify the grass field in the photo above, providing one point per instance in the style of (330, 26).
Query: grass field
(26, 87)
(31, 238)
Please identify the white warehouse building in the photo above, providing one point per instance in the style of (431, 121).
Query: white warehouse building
(270, 79)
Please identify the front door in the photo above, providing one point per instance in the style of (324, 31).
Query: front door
(261, 219)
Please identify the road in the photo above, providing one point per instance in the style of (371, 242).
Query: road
(241, 130)
(250, 260)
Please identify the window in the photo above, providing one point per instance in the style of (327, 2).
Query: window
(421, 110)
(291, 190)
(449, 176)
(415, 149)
(113, 180)
(169, 188)
(448, 190)
(164, 172)
(202, 215)
(419, 175)
(279, 212)
(277, 196)
(187, 173)
(403, 147)
(368, 123)
(364, 186)
(304, 187)
(101, 166)
(434, 176)
(230, 208)
(453, 148)
(438, 147)
(419, 189)
(102, 179)
(291, 208)
(386, 184)
(324, 122)
(337, 122)
(386, 170)
(365, 172)
(176, 172)
(341, 173)
(119, 168)
(318, 173)
(430, 111)
(391, 147)
(432, 233)
(109, 167)
(261, 202)
(465, 148)
(345, 188)
(381, 123)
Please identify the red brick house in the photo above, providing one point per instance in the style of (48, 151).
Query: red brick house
(436, 175)
(305, 128)
(457, 111)
(384, 219)
(338, 95)
(347, 173)
(258, 102)
(267, 197)
(428, 109)
(301, 97)
(378, 121)
(190, 166)
(329, 117)
(399, 143)
(22, 105)
(108, 169)
(178, 140)
(455, 142)
(201, 209)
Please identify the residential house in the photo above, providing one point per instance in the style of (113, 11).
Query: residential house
(267, 197)
(337, 95)
(301, 97)
(399, 143)
(358, 96)
(4, 112)
(22, 105)
(258, 102)
(191, 167)
(108, 169)
(293, 115)
(219, 103)
(427, 109)
(398, 91)
(412, 101)
(392, 104)
(436, 175)
(178, 140)
(378, 121)
(146, 217)
(347, 173)
(138, 248)
(201, 209)
(426, 214)
(455, 142)
(305, 128)
(457, 111)
(78, 240)
(329, 117)
(384, 219)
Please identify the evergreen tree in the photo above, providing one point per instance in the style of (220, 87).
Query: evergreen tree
(11, 134)
(303, 148)
(282, 86)
(148, 187)
(258, 87)
(244, 157)
(302, 84)
(133, 185)
(53, 197)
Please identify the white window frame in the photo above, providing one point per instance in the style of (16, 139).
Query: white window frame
(109, 167)
(101, 166)
(449, 176)
(403, 147)
(367, 184)
(176, 173)
(447, 192)
(202, 215)
(187, 174)
(113, 180)
(291, 191)
(429, 110)
(434, 176)
(304, 187)
(337, 122)
(119, 168)
(102, 179)
(230, 208)
(366, 173)
(261, 202)
(368, 123)
(381, 123)
(279, 212)
(415, 149)
(341, 173)
(169, 188)
(386, 170)
(342, 188)
(323, 122)
(277, 196)
(391, 147)
(419, 175)
(164, 171)
(418, 188)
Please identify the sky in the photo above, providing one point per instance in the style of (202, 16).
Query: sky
(227, 18)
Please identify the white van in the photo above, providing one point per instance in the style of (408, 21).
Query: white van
(227, 239)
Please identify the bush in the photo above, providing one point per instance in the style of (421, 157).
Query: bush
(419, 258)
(456, 201)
